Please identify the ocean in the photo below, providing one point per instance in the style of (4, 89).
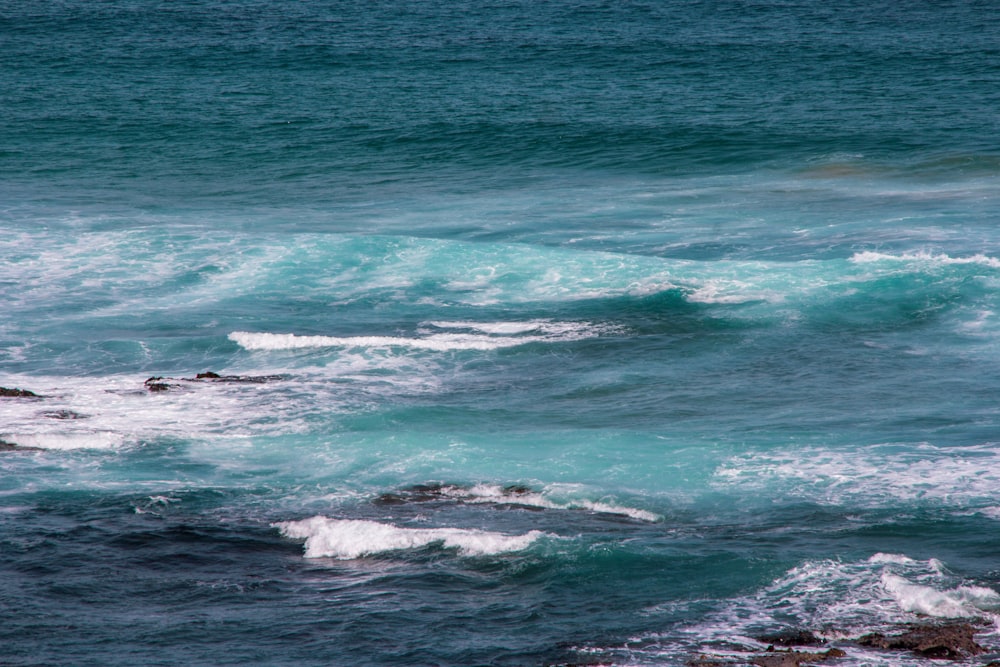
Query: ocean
(503, 333)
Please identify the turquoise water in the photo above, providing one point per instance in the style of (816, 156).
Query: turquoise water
(548, 333)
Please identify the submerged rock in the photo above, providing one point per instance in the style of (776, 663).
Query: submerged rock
(215, 377)
(14, 447)
(439, 491)
(952, 641)
(158, 383)
(153, 384)
(17, 393)
(418, 493)
(63, 414)
(792, 638)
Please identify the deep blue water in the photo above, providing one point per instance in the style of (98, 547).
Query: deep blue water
(549, 333)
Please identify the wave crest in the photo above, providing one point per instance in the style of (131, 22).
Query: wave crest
(347, 539)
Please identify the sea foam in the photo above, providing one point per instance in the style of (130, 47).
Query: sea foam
(66, 441)
(490, 336)
(868, 257)
(348, 539)
(956, 477)
(957, 602)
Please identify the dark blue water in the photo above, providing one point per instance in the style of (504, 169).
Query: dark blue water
(544, 333)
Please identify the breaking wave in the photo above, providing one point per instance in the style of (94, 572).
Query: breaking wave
(347, 539)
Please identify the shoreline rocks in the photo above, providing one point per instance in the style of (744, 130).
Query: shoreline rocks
(157, 383)
(951, 641)
(7, 392)
(937, 640)
(14, 447)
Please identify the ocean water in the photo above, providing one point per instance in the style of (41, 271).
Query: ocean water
(567, 332)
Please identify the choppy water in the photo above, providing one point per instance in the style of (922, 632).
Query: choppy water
(564, 332)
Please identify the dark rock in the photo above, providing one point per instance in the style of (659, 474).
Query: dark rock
(792, 638)
(437, 491)
(706, 661)
(773, 658)
(390, 499)
(952, 641)
(791, 658)
(417, 493)
(153, 384)
(17, 393)
(14, 447)
(249, 379)
(63, 414)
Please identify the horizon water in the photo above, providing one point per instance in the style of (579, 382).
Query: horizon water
(547, 333)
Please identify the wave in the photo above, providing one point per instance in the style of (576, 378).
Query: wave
(65, 441)
(492, 336)
(958, 602)
(870, 257)
(347, 539)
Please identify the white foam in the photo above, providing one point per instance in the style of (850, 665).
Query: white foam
(869, 257)
(492, 336)
(957, 477)
(958, 602)
(348, 539)
(728, 292)
(66, 441)
(113, 411)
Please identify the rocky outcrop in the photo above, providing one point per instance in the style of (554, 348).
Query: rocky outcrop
(17, 393)
(792, 638)
(770, 658)
(418, 493)
(790, 658)
(14, 447)
(952, 641)
(159, 384)
(215, 377)
(936, 640)
(156, 384)
(437, 491)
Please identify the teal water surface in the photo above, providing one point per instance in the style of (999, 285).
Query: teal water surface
(545, 333)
